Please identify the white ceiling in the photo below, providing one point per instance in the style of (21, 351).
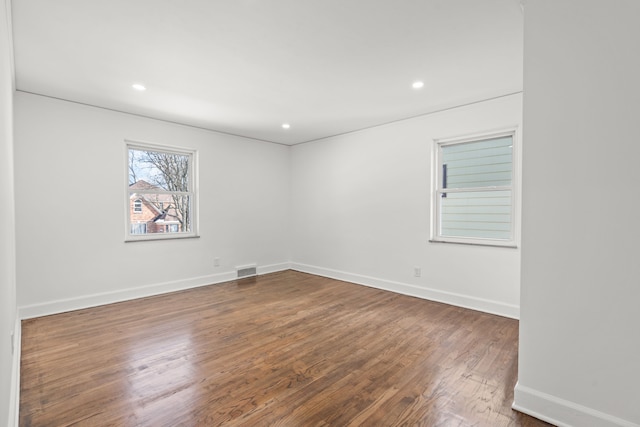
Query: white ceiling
(246, 66)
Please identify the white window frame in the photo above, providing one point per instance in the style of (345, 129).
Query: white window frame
(192, 193)
(437, 190)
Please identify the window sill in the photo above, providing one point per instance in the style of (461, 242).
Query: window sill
(154, 238)
(492, 245)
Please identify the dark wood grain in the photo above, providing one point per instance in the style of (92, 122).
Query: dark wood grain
(286, 349)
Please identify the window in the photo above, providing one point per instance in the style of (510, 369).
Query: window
(162, 179)
(138, 228)
(474, 190)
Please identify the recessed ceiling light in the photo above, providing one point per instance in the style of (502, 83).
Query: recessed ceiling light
(138, 86)
(417, 84)
(286, 126)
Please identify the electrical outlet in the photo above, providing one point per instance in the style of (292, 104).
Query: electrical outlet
(216, 262)
(417, 271)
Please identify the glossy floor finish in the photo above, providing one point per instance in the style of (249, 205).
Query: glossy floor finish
(286, 349)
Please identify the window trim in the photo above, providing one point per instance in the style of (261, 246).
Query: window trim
(193, 193)
(436, 155)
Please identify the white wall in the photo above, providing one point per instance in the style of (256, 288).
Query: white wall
(580, 323)
(361, 211)
(8, 360)
(70, 173)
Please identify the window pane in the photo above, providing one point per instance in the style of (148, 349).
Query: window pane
(160, 213)
(161, 192)
(486, 163)
(156, 169)
(480, 214)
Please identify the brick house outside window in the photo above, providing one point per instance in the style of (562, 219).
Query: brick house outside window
(151, 213)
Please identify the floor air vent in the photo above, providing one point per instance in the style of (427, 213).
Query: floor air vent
(247, 271)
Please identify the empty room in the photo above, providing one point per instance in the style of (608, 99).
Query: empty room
(319, 213)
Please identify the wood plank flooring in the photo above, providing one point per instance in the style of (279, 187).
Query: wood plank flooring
(285, 349)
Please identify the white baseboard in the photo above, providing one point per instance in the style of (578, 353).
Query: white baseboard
(480, 304)
(561, 412)
(14, 396)
(77, 303)
(87, 301)
(273, 268)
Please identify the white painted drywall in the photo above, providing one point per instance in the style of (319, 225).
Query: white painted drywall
(7, 236)
(70, 173)
(361, 211)
(580, 323)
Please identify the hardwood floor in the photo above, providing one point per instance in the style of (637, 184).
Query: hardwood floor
(286, 349)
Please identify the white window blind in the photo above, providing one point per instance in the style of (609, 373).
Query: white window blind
(474, 191)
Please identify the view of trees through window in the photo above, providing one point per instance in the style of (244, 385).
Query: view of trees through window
(160, 191)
